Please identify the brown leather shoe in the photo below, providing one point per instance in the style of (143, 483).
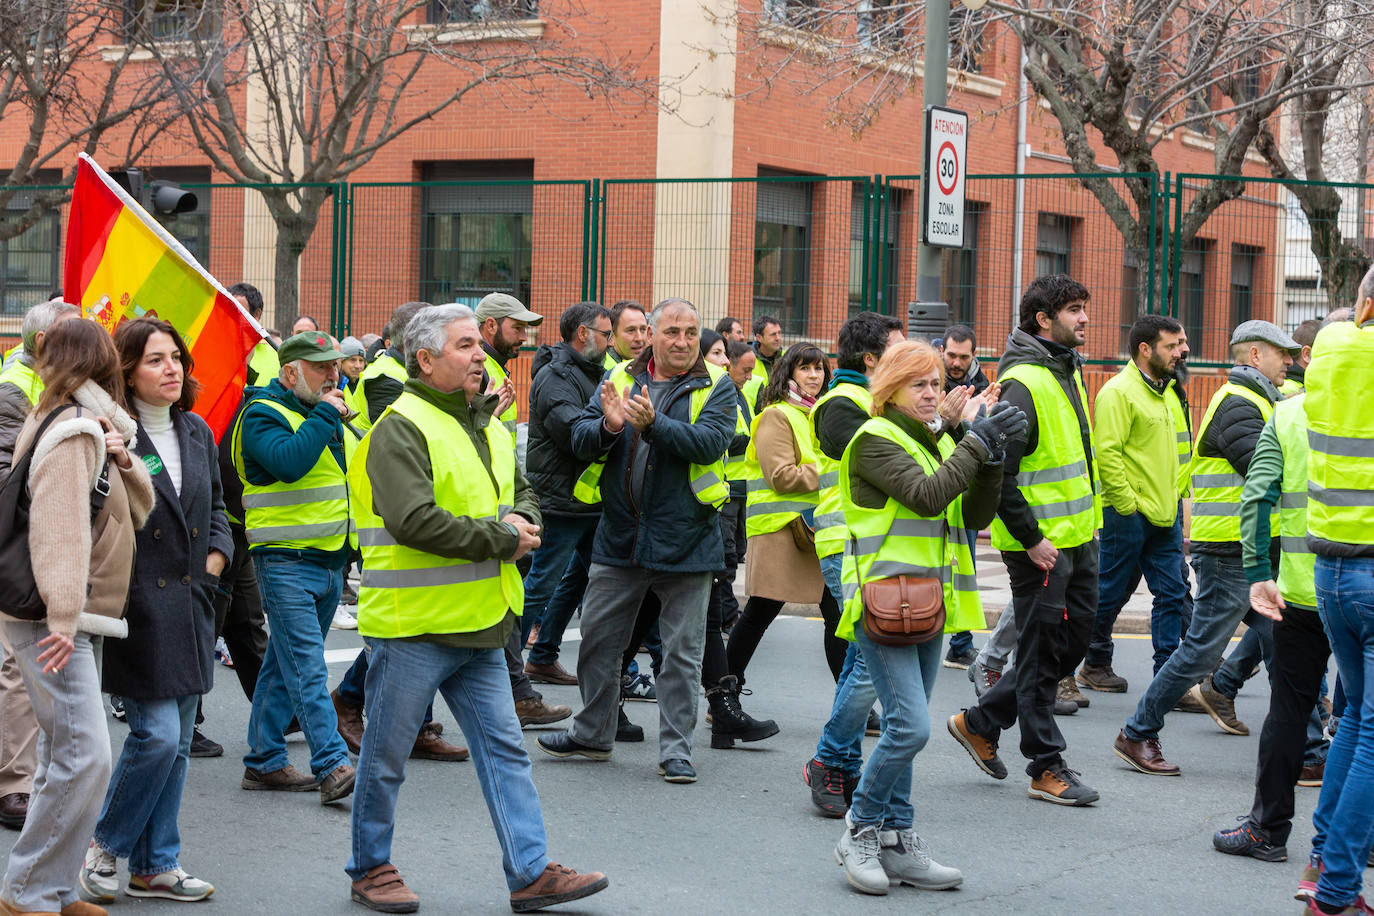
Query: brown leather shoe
(1144, 756)
(429, 746)
(1311, 776)
(534, 711)
(350, 722)
(8, 910)
(84, 908)
(14, 808)
(287, 779)
(983, 751)
(382, 889)
(557, 885)
(550, 674)
(338, 784)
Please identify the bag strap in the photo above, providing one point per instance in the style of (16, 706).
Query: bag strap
(99, 491)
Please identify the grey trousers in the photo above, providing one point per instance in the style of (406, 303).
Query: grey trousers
(609, 608)
(73, 771)
(1001, 642)
(18, 728)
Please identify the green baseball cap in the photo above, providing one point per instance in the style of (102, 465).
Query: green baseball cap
(311, 346)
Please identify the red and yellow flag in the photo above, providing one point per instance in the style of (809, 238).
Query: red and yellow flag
(119, 264)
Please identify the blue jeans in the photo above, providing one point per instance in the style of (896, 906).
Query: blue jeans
(299, 597)
(903, 677)
(402, 676)
(1129, 542)
(1257, 645)
(1223, 601)
(1344, 819)
(139, 820)
(556, 581)
(961, 643)
(841, 743)
(353, 687)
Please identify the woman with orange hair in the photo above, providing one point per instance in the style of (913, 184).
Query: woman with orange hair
(904, 498)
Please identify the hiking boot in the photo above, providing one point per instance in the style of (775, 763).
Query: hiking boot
(827, 787)
(1144, 756)
(557, 885)
(1189, 703)
(338, 784)
(1249, 839)
(534, 711)
(1064, 707)
(429, 745)
(729, 721)
(639, 687)
(202, 746)
(552, 673)
(14, 810)
(625, 730)
(287, 779)
(1311, 776)
(677, 770)
(983, 678)
(1061, 785)
(169, 885)
(382, 889)
(859, 852)
(1068, 690)
(1101, 678)
(350, 722)
(873, 727)
(562, 744)
(97, 876)
(1220, 707)
(962, 660)
(905, 858)
(983, 751)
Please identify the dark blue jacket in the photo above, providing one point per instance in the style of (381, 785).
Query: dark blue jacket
(671, 531)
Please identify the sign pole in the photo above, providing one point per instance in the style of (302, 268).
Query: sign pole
(933, 93)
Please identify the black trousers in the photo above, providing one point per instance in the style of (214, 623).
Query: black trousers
(1054, 617)
(760, 612)
(238, 614)
(1301, 651)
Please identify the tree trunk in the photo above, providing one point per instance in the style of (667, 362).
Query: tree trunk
(295, 225)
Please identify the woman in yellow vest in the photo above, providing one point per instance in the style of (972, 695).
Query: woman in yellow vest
(902, 500)
(782, 483)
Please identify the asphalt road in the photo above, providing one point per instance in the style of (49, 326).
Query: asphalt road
(745, 838)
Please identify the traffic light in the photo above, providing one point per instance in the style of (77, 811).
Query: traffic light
(163, 199)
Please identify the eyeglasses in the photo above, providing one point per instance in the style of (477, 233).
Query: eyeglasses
(606, 334)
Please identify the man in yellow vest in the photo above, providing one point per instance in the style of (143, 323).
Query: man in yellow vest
(1046, 529)
(504, 320)
(20, 387)
(1305, 334)
(1340, 531)
(1225, 444)
(629, 333)
(767, 349)
(289, 453)
(731, 328)
(380, 381)
(443, 514)
(663, 424)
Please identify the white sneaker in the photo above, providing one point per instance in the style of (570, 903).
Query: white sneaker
(858, 852)
(344, 620)
(169, 885)
(97, 877)
(905, 858)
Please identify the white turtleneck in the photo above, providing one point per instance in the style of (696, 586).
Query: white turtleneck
(157, 422)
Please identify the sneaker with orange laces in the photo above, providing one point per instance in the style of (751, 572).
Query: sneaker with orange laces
(557, 884)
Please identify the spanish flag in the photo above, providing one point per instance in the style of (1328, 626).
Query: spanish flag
(119, 264)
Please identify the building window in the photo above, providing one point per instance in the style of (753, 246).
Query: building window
(801, 14)
(959, 268)
(482, 10)
(164, 20)
(30, 269)
(1244, 258)
(190, 229)
(1053, 244)
(476, 228)
(782, 254)
(1131, 295)
(1191, 296)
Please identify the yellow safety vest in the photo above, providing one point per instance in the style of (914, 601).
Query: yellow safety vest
(1340, 434)
(1290, 387)
(263, 364)
(309, 514)
(356, 397)
(1183, 435)
(1297, 563)
(707, 481)
(735, 464)
(25, 379)
(12, 354)
(766, 510)
(498, 377)
(830, 530)
(611, 359)
(408, 592)
(1216, 484)
(963, 602)
(1054, 479)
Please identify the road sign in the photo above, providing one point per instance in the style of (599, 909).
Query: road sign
(942, 181)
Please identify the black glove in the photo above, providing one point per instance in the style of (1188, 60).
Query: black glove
(999, 426)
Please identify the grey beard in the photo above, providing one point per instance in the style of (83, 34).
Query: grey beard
(305, 395)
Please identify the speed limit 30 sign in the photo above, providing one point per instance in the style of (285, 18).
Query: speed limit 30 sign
(942, 181)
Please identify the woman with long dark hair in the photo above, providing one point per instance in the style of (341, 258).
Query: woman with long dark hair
(167, 661)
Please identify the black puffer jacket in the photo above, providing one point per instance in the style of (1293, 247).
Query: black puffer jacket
(1232, 434)
(562, 382)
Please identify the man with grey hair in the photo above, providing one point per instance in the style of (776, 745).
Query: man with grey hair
(443, 514)
(20, 387)
(662, 423)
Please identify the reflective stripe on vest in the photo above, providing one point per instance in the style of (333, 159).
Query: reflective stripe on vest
(829, 524)
(1340, 435)
(765, 509)
(384, 365)
(1216, 484)
(309, 514)
(1054, 478)
(1297, 564)
(409, 592)
(498, 376)
(25, 379)
(1183, 436)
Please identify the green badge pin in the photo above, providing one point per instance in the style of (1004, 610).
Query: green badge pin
(153, 463)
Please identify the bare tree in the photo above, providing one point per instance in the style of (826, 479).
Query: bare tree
(67, 95)
(340, 79)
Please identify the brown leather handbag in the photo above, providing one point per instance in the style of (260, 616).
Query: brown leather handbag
(903, 610)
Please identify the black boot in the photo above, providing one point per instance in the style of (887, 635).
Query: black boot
(625, 730)
(729, 722)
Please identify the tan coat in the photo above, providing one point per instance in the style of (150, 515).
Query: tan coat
(773, 566)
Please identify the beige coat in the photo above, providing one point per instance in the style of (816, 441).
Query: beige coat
(773, 566)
